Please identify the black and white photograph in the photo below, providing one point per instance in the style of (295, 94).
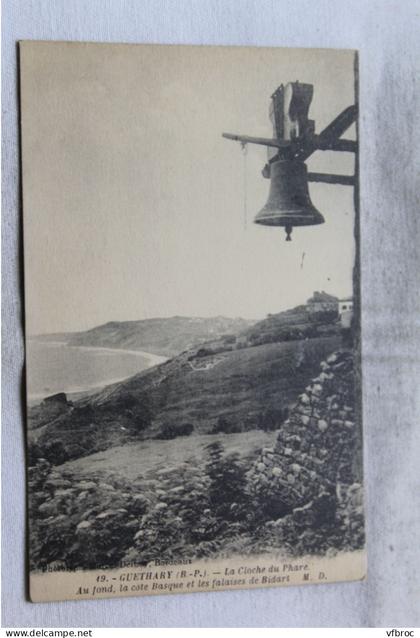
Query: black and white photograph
(192, 318)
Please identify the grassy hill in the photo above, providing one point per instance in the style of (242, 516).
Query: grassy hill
(233, 391)
(162, 336)
(231, 383)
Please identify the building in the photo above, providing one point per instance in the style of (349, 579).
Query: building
(345, 311)
(322, 302)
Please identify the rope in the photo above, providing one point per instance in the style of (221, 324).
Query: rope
(244, 154)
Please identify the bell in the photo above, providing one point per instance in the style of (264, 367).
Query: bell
(289, 203)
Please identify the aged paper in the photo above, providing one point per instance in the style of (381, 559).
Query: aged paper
(193, 378)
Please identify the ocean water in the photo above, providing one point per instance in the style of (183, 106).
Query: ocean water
(56, 367)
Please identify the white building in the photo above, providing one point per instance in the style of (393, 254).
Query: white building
(345, 311)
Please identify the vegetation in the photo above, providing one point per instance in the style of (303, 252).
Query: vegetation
(190, 511)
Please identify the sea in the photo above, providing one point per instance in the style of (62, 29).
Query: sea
(54, 366)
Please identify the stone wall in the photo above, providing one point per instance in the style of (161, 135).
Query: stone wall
(312, 476)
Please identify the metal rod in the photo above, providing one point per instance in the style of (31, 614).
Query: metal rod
(327, 178)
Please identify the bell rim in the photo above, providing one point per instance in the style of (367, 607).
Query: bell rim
(289, 218)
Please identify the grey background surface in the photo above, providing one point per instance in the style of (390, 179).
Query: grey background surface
(386, 34)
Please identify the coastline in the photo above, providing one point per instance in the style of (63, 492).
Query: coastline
(150, 359)
(155, 359)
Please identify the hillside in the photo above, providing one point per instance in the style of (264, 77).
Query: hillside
(232, 391)
(169, 336)
(290, 493)
(317, 318)
(162, 336)
(227, 384)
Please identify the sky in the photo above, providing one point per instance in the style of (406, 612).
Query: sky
(136, 207)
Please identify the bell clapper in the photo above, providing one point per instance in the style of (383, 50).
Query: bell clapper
(288, 230)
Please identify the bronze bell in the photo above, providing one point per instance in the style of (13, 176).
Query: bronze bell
(289, 203)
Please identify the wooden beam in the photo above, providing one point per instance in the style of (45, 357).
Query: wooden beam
(340, 124)
(327, 178)
(335, 145)
(264, 141)
(330, 135)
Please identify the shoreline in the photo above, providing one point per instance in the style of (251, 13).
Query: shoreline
(150, 358)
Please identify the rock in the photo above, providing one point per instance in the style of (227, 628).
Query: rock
(322, 425)
(60, 398)
(276, 471)
(106, 514)
(49, 508)
(295, 467)
(322, 377)
(356, 495)
(317, 389)
(109, 488)
(288, 451)
(84, 525)
(164, 472)
(304, 409)
(86, 485)
(305, 419)
(57, 483)
(349, 424)
(332, 358)
(304, 399)
(260, 467)
(61, 493)
(177, 490)
(61, 518)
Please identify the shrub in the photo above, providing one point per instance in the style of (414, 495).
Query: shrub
(228, 493)
(226, 426)
(171, 431)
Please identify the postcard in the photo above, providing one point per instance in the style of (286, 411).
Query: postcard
(192, 310)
